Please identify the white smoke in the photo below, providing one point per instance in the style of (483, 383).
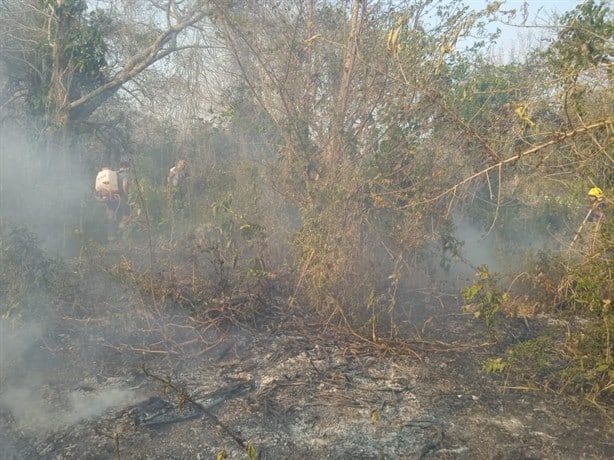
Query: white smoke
(37, 414)
(34, 402)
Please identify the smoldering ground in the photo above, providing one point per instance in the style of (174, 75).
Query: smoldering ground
(28, 393)
(44, 197)
(41, 388)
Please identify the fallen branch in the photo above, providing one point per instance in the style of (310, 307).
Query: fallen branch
(185, 397)
(579, 231)
(557, 138)
(123, 347)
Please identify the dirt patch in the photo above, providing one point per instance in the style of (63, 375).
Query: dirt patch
(167, 389)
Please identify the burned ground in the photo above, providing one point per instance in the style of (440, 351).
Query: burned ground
(115, 378)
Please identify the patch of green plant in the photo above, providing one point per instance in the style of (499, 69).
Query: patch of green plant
(590, 354)
(226, 254)
(492, 365)
(486, 295)
(527, 362)
(591, 281)
(579, 361)
(155, 197)
(531, 359)
(581, 364)
(587, 291)
(337, 269)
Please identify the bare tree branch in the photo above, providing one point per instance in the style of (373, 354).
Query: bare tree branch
(557, 138)
(89, 102)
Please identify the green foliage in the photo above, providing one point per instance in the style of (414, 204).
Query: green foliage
(530, 360)
(591, 357)
(494, 365)
(588, 290)
(236, 248)
(578, 359)
(590, 281)
(76, 55)
(483, 92)
(156, 198)
(251, 451)
(486, 295)
(585, 39)
(86, 51)
(576, 365)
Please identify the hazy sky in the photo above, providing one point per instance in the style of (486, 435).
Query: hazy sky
(540, 12)
(548, 6)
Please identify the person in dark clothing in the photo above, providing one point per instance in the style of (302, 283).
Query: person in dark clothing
(123, 182)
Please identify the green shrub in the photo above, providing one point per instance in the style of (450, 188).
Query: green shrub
(486, 296)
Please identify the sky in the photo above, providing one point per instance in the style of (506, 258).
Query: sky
(539, 13)
(542, 8)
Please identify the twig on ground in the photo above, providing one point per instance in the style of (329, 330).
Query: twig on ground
(182, 393)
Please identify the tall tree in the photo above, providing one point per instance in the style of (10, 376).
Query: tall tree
(58, 53)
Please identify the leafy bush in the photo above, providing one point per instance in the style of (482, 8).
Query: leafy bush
(587, 290)
(486, 296)
(577, 292)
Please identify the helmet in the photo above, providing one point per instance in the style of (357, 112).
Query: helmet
(596, 192)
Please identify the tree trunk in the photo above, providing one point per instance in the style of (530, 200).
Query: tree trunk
(334, 152)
